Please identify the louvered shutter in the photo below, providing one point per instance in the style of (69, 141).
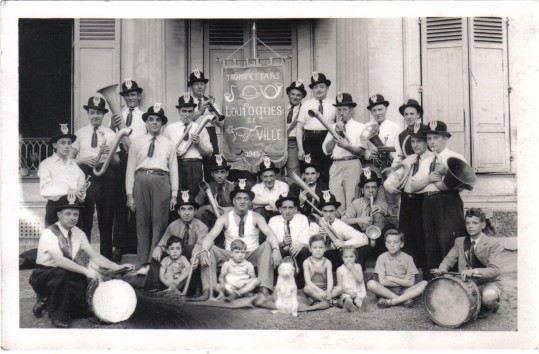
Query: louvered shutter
(96, 61)
(489, 94)
(445, 77)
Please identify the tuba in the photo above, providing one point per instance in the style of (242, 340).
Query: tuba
(121, 134)
(370, 133)
(459, 175)
(112, 99)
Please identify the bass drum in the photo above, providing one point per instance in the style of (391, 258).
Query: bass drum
(451, 302)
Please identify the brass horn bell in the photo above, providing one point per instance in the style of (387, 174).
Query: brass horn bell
(370, 133)
(112, 99)
(459, 175)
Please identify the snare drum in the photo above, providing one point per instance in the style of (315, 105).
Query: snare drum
(450, 301)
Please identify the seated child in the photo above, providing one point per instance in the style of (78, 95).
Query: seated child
(174, 267)
(350, 282)
(395, 274)
(477, 256)
(237, 276)
(318, 273)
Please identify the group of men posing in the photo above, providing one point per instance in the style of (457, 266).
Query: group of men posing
(158, 167)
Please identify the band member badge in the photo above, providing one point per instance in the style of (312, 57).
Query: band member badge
(367, 172)
(186, 97)
(299, 82)
(284, 194)
(64, 128)
(267, 162)
(433, 124)
(71, 197)
(315, 75)
(307, 158)
(242, 182)
(219, 159)
(196, 72)
(339, 97)
(128, 84)
(374, 98)
(157, 106)
(417, 125)
(97, 100)
(185, 196)
(326, 196)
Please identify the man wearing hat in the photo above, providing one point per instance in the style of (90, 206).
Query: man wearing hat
(412, 113)
(151, 184)
(296, 93)
(269, 190)
(59, 282)
(310, 132)
(58, 175)
(220, 188)
(443, 209)
(290, 228)
(411, 210)
(189, 229)
(190, 161)
(91, 149)
(346, 235)
(125, 235)
(345, 151)
(240, 223)
(310, 174)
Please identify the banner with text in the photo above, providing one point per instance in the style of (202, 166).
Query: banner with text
(254, 106)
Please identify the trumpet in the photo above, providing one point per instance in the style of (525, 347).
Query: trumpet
(121, 134)
(316, 114)
(220, 117)
(201, 126)
(213, 203)
(294, 176)
(323, 224)
(373, 232)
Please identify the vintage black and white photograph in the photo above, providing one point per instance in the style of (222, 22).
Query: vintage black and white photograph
(345, 175)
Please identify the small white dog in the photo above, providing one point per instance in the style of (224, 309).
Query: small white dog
(286, 290)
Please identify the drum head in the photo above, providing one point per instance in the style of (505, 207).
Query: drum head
(446, 302)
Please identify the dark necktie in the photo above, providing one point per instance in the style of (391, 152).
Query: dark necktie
(152, 147)
(432, 165)
(415, 167)
(129, 119)
(185, 240)
(241, 231)
(94, 138)
(290, 114)
(341, 133)
(321, 107)
(219, 195)
(472, 255)
(287, 228)
(186, 136)
(199, 103)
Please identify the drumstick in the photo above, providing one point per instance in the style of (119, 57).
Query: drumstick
(458, 274)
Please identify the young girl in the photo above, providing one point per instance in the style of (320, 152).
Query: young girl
(174, 267)
(318, 272)
(350, 281)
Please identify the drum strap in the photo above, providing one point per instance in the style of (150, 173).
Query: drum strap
(472, 259)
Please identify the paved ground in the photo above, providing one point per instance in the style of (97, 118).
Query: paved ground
(152, 313)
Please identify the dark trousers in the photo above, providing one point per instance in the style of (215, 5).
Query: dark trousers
(99, 197)
(411, 225)
(300, 258)
(443, 222)
(125, 227)
(312, 144)
(190, 174)
(64, 292)
(50, 213)
(206, 159)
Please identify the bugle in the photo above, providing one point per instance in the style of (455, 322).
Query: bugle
(316, 114)
(213, 203)
(324, 225)
(220, 117)
(121, 134)
(294, 176)
(373, 232)
(197, 131)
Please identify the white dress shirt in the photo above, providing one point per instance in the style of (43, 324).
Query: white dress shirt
(295, 114)
(389, 133)
(422, 172)
(57, 177)
(265, 196)
(353, 131)
(298, 228)
(174, 132)
(206, 111)
(83, 144)
(444, 155)
(48, 244)
(163, 158)
(137, 124)
(346, 233)
(312, 123)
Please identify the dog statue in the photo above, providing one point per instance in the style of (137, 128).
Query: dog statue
(286, 290)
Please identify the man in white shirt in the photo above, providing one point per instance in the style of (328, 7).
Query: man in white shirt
(190, 160)
(310, 132)
(296, 93)
(345, 151)
(290, 228)
(268, 191)
(59, 282)
(412, 112)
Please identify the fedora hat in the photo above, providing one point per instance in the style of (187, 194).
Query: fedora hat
(129, 86)
(186, 198)
(326, 198)
(344, 99)
(196, 76)
(420, 131)
(186, 101)
(369, 176)
(438, 127)
(318, 78)
(286, 196)
(267, 165)
(375, 100)
(155, 110)
(242, 187)
(297, 85)
(411, 103)
(96, 102)
(66, 203)
(65, 134)
(218, 162)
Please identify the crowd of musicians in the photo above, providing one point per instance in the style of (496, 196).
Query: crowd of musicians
(154, 185)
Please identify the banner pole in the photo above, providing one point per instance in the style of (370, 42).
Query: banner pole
(253, 42)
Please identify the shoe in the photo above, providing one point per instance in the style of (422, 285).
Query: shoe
(143, 270)
(340, 303)
(384, 303)
(117, 255)
(232, 296)
(60, 323)
(349, 306)
(205, 296)
(37, 310)
(485, 312)
(408, 303)
(197, 293)
(264, 291)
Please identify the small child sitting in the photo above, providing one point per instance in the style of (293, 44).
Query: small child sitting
(318, 273)
(174, 267)
(350, 282)
(395, 274)
(238, 276)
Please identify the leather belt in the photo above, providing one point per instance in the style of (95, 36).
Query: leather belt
(191, 160)
(413, 195)
(154, 172)
(316, 131)
(428, 194)
(346, 158)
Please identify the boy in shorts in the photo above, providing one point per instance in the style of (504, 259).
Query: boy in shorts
(174, 267)
(394, 274)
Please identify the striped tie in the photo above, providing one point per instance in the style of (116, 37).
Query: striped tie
(94, 138)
